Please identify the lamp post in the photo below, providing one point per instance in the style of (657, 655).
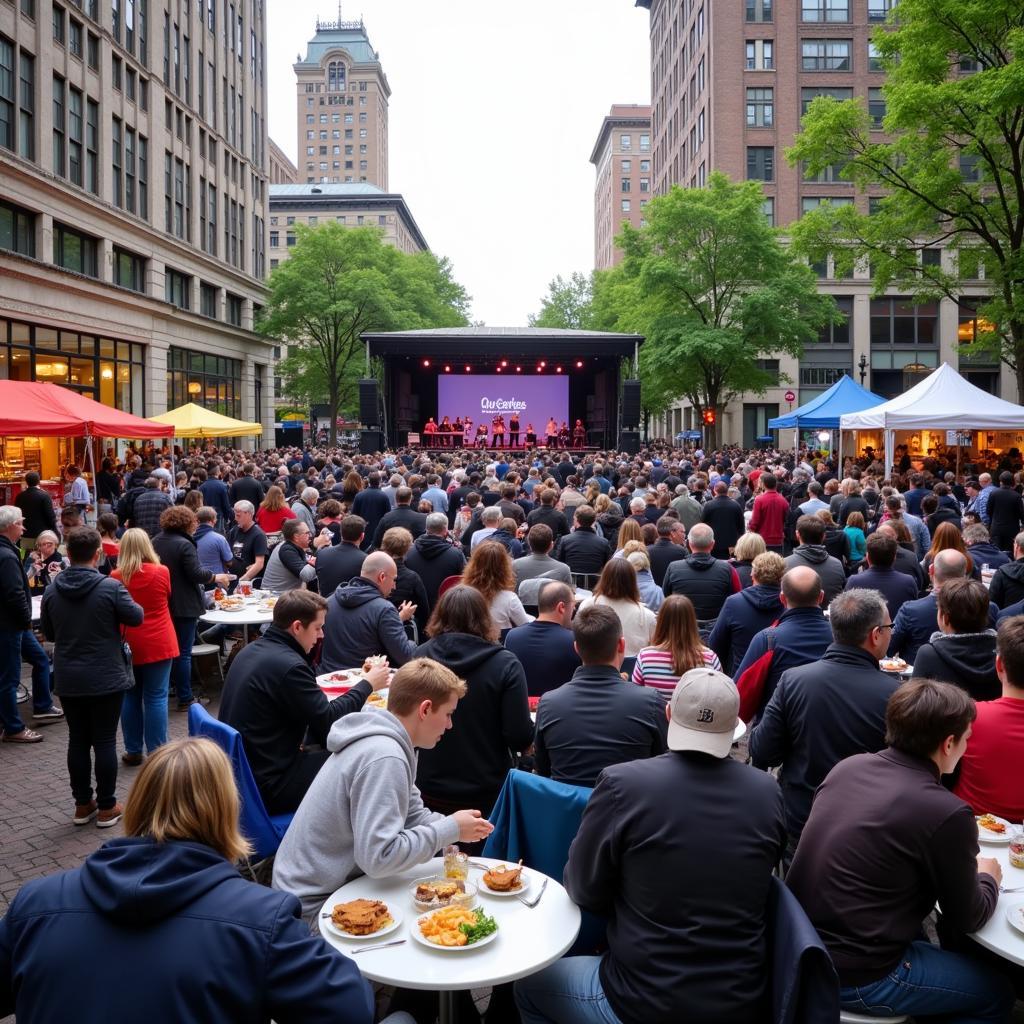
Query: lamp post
(862, 365)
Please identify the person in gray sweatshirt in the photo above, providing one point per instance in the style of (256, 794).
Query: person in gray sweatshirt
(363, 814)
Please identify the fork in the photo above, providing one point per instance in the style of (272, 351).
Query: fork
(379, 945)
(536, 899)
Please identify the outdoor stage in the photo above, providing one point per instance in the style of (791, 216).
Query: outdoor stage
(479, 372)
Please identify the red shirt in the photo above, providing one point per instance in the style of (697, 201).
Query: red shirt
(769, 518)
(155, 639)
(990, 770)
(270, 522)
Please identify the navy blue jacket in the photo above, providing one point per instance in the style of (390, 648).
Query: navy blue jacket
(742, 617)
(373, 505)
(215, 494)
(241, 951)
(987, 554)
(547, 652)
(917, 620)
(896, 587)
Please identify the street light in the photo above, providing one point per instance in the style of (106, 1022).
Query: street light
(862, 365)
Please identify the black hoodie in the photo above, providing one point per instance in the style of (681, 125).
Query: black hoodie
(966, 659)
(434, 559)
(470, 766)
(1008, 584)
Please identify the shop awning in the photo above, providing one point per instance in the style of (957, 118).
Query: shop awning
(191, 420)
(823, 412)
(40, 409)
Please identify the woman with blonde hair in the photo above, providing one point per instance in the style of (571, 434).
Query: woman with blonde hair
(273, 511)
(675, 648)
(489, 571)
(617, 588)
(651, 595)
(173, 874)
(154, 645)
(629, 530)
(748, 547)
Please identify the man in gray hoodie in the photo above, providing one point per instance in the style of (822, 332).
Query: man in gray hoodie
(363, 814)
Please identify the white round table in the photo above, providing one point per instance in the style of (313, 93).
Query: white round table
(250, 615)
(999, 935)
(529, 939)
(37, 605)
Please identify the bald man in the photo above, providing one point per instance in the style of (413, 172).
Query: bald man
(800, 637)
(361, 621)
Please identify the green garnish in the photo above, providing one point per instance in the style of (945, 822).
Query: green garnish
(475, 932)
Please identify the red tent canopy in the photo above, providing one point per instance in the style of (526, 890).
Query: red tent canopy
(46, 410)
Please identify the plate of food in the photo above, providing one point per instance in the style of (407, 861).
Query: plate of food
(357, 919)
(893, 665)
(993, 829)
(232, 604)
(505, 880)
(1015, 915)
(378, 700)
(435, 892)
(455, 929)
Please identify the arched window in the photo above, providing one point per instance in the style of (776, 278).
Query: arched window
(336, 76)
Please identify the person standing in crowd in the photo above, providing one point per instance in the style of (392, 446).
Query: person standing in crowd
(546, 513)
(154, 646)
(37, 508)
(108, 487)
(150, 505)
(884, 843)
(44, 562)
(707, 581)
(545, 646)
(693, 946)
(724, 517)
(215, 495)
(85, 614)
(402, 515)
(770, 511)
(748, 547)
(246, 488)
(1005, 510)
(174, 872)
(78, 491)
(248, 542)
(214, 551)
(668, 548)
(176, 548)
(896, 587)
(810, 551)
(372, 505)
(340, 563)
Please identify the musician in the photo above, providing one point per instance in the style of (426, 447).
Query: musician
(579, 435)
(446, 432)
(531, 436)
(552, 432)
(457, 430)
(513, 430)
(467, 432)
(498, 431)
(563, 435)
(481, 436)
(430, 429)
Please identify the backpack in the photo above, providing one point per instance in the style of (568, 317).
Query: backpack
(752, 681)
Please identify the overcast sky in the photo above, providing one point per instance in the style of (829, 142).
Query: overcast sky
(494, 111)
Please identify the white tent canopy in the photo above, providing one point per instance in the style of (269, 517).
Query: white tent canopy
(942, 401)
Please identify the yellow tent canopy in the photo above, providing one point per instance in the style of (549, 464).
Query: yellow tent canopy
(191, 420)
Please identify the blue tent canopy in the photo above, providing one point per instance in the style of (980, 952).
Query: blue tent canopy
(823, 412)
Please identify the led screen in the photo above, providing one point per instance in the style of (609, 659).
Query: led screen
(481, 397)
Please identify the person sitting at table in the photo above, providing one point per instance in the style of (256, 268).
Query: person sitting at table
(481, 436)
(458, 429)
(362, 621)
(214, 551)
(689, 935)
(173, 872)
(545, 647)
(988, 778)
(596, 718)
(617, 589)
(271, 697)
(289, 567)
(883, 844)
(363, 814)
(44, 562)
(563, 435)
(445, 432)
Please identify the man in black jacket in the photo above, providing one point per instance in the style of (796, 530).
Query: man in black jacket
(707, 581)
(687, 934)
(668, 548)
(582, 550)
(434, 558)
(1008, 582)
(546, 647)
(402, 515)
(725, 517)
(883, 844)
(271, 697)
(830, 709)
(1005, 511)
(596, 719)
(550, 516)
(37, 508)
(896, 587)
(340, 563)
(372, 505)
(246, 487)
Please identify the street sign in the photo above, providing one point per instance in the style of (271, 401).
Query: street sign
(789, 396)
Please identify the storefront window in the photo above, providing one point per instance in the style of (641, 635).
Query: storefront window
(214, 382)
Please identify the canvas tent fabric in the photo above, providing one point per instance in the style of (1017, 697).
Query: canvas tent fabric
(824, 411)
(191, 420)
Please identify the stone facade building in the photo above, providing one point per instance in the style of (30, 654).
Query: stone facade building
(282, 170)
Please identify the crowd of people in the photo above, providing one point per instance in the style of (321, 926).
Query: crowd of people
(644, 606)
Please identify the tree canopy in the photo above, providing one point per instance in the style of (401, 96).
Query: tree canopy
(947, 172)
(339, 282)
(568, 304)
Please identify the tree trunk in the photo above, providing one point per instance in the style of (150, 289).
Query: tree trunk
(332, 406)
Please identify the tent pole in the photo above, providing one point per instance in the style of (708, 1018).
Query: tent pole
(92, 468)
(839, 454)
(174, 474)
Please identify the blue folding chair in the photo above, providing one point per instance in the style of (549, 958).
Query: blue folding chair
(265, 831)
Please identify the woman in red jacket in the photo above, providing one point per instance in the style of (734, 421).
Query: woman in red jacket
(273, 511)
(154, 645)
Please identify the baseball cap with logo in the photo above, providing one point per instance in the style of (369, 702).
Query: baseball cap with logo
(704, 706)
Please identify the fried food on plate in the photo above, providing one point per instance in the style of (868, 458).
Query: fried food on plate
(503, 878)
(991, 823)
(361, 917)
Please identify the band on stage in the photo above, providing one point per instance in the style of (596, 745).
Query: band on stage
(462, 434)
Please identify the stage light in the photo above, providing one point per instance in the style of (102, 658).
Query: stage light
(542, 363)
(499, 369)
(519, 369)
(579, 364)
(447, 369)
(504, 362)
(558, 369)
(467, 369)
(426, 362)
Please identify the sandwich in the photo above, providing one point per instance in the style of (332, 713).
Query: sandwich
(361, 917)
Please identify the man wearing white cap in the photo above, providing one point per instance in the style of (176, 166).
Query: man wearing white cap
(677, 852)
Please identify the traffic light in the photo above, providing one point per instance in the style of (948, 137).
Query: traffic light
(709, 417)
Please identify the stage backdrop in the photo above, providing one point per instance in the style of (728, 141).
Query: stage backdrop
(482, 397)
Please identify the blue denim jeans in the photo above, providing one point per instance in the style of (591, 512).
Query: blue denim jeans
(10, 676)
(185, 630)
(567, 992)
(32, 652)
(928, 982)
(144, 712)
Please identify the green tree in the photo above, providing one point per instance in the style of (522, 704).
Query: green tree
(710, 285)
(951, 164)
(339, 283)
(567, 304)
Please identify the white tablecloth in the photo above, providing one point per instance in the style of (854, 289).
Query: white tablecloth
(528, 939)
(248, 616)
(999, 935)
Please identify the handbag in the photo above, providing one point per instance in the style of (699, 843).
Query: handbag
(126, 653)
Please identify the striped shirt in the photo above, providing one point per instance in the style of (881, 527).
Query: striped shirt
(654, 668)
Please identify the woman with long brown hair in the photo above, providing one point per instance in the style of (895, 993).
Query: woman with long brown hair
(676, 647)
(273, 511)
(629, 530)
(490, 572)
(947, 537)
(618, 589)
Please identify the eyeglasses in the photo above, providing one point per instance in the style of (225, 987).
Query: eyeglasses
(885, 625)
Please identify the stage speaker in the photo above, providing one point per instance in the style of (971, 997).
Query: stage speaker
(591, 399)
(369, 403)
(371, 441)
(595, 438)
(631, 411)
(629, 441)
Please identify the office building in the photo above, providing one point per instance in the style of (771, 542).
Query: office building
(342, 108)
(623, 177)
(281, 171)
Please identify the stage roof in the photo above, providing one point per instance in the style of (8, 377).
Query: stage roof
(491, 342)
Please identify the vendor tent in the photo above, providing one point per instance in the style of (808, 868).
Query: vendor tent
(942, 401)
(823, 412)
(191, 420)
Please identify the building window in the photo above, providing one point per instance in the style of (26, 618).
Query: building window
(760, 55)
(59, 23)
(176, 288)
(874, 58)
(28, 8)
(59, 128)
(75, 38)
(645, 184)
(768, 209)
(899, 321)
(876, 108)
(760, 108)
(645, 143)
(208, 300)
(931, 258)
(825, 10)
(838, 333)
(129, 270)
(92, 51)
(759, 10)
(625, 206)
(809, 95)
(211, 381)
(808, 203)
(17, 230)
(820, 376)
(625, 185)
(6, 93)
(969, 169)
(234, 310)
(625, 142)
(92, 145)
(829, 173)
(825, 55)
(761, 163)
(878, 10)
(75, 251)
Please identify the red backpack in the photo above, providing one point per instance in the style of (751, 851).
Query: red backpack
(752, 681)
